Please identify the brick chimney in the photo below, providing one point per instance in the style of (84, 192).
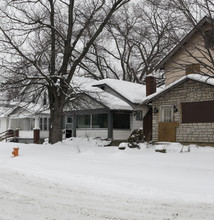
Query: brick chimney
(150, 84)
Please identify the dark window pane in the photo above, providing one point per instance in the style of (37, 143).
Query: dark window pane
(192, 69)
(198, 112)
(40, 124)
(139, 115)
(45, 124)
(121, 120)
(209, 39)
(83, 121)
(69, 120)
(100, 121)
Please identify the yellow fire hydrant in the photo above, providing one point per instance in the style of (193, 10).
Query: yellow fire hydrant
(15, 152)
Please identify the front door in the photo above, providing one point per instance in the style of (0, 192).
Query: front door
(147, 125)
(167, 126)
(167, 131)
(68, 126)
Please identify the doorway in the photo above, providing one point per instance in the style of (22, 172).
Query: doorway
(68, 126)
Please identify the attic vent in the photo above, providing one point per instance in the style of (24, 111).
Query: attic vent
(209, 39)
(192, 69)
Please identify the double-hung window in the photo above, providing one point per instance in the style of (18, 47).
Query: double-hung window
(44, 124)
(167, 113)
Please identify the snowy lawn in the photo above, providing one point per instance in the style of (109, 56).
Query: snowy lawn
(81, 180)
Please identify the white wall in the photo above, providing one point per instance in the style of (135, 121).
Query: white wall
(22, 123)
(44, 134)
(3, 124)
(121, 134)
(103, 133)
(135, 124)
(25, 134)
(29, 134)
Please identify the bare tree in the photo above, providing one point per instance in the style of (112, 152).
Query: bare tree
(137, 37)
(44, 43)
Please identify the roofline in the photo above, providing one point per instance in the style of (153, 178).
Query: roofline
(163, 92)
(162, 63)
(128, 101)
(103, 105)
(180, 81)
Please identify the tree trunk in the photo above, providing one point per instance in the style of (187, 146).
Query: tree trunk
(55, 129)
(56, 103)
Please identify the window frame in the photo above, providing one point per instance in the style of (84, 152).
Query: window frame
(162, 117)
(42, 123)
(208, 39)
(193, 68)
(91, 126)
(139, 115)
(121, 128)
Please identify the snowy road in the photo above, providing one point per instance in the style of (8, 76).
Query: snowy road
(24, 197)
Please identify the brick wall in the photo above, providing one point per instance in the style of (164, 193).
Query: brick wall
(189, 91)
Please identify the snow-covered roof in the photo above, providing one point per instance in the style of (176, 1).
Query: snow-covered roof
(109, 100)
(85, 85)
(196, 77)
(133, 92)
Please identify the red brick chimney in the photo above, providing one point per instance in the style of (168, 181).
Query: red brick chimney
(150, 85)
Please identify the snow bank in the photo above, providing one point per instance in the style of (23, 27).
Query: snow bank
(186, 176)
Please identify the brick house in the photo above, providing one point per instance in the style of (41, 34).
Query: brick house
(184, 110)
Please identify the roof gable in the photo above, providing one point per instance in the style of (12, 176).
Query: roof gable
(186, 39)
(131, 92)
(85, 86)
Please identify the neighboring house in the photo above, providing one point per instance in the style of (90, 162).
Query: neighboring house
(25, 116)
(184, 110)
(192, 55)
(108, 108)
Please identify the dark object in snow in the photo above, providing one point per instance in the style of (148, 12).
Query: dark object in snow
(160, 150)
(134, 145)
(136, 137)
(122, 146)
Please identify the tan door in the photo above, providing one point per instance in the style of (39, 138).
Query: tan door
(167, 131)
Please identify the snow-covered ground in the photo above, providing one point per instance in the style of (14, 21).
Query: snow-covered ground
(82, 180)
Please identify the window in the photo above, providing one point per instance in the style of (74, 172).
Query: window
(167, 113)
(44, 124)
(192, 69)
(209, 39)
(92, 121)
(100, 121)
(45, 99)
(32, 123)
(121, 120)
(84, 121)
(198, 112)
(138, 115)
(69, 122)
(41, 123)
